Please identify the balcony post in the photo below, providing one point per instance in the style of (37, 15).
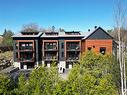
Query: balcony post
(36, 44)
(70, 66)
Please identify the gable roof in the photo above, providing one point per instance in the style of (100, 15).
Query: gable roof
(87, 35)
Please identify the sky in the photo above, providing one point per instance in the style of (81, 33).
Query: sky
(78, 15)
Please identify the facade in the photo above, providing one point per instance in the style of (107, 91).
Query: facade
(32, 49)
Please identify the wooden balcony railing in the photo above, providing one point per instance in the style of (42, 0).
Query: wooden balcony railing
(26, 48)
(72, 58)
(51, 57)
(26, 59)
(70, 48)
(50, 48)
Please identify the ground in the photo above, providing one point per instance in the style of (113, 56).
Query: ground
(65, 74)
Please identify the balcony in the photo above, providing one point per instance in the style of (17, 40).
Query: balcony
(26, 59)
(51, 58)
(71, 46)
(76, 48)
(50, 47)
(72, 58)
(26, 48)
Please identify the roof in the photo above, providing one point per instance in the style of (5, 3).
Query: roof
(89, 33)
(62, 34)
(28, 36)
(65, 34)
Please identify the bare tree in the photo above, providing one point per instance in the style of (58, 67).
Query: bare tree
(120, 25)
(31, 27)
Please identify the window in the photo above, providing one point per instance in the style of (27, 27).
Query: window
(102, 50)
(62, 45)
(62, 54)
(89, 48)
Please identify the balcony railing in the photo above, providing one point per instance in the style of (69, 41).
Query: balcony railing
(26, 48)
(26, 59)
(51, 58)
(50, 47)
(71, 48)
(72, 58)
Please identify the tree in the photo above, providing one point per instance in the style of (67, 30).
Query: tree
(7, 38)
(94, 76)
(31, 27)
(6, 85)
(42, 81)
(120, 25)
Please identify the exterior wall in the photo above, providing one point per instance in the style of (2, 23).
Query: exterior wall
(96, 44)
(61, 49)
(84, 44)
(17, 61)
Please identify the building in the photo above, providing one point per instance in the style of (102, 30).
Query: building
(32, 49)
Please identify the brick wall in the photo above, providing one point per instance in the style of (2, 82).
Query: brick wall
(96, 44)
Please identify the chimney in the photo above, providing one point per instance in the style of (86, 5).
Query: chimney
(95, 27)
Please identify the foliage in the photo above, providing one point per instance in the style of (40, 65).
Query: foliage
(95, 75)
(6, 55)
(6, 85)
(7, 38)
(42, 81)
(31, 27)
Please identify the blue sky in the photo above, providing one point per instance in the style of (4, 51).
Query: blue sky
(67, 14)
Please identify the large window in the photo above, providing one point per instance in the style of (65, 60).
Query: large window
(102, 50)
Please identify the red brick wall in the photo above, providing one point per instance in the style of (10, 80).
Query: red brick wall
(96, 44)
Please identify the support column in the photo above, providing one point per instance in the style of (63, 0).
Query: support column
(43, 63)
(70, 65)
(36, 44)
